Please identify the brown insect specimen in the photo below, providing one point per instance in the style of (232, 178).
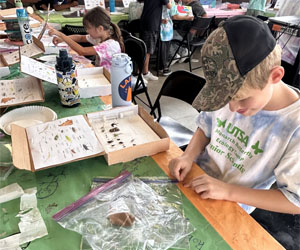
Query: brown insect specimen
(7, 99)
(115, 129)
(121, 219)
(66, 123)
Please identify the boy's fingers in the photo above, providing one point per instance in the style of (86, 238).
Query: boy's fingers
(176, 173)
(187, 184)
(183, 173)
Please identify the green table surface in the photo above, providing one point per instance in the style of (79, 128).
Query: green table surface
(57, 17)
(60, 186)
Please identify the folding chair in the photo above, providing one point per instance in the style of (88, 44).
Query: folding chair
(202, 27)
(185, 86)
(135, 28)
(136, 49)
(123, 24)
(73, 30)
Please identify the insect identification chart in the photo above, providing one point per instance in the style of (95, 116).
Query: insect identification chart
(62, 141)
(19, 91)
(38, 69)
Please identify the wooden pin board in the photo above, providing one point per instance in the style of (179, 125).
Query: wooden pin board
(80, 137)
(128, 133)
(21, 91)
(28, 50)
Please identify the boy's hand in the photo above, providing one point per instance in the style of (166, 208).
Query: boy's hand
(179, 167)
(209, 187)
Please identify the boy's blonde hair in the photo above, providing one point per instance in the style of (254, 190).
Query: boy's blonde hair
(257, 78)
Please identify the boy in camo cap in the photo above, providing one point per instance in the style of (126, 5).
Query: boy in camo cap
(249, 125)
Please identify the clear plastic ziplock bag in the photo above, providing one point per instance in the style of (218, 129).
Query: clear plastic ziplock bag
(125, 213)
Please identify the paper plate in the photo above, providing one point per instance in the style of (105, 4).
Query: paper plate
(26, 116)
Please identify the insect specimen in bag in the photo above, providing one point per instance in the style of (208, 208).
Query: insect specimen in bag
(56, 137)
(113, 124)
(66, 123)
(110, 141)
(73, 151)
(73, 129)
(68, 138)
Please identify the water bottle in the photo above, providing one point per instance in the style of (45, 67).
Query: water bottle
(120, 71)
(18, 4)
(66, 79)
(24, 26)
(2, 4)
(112, 5)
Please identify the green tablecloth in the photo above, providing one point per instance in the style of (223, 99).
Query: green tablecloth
(60, 186)
(57, 17)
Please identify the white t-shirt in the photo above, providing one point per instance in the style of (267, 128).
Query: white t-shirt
(254, 151)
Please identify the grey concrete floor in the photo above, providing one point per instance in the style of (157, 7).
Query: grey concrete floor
(174, 108)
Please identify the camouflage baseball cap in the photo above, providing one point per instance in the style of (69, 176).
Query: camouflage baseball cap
(229, 53)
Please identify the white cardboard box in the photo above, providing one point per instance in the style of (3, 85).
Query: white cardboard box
(93, 82)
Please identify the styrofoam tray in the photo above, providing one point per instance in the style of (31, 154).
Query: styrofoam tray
(26, 116)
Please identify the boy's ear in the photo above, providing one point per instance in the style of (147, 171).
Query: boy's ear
(276, 74)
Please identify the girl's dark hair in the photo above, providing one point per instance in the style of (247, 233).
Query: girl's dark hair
(98, 16)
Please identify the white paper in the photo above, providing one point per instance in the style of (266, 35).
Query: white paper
(23, 90)
(127, 2)
(32, 225)
(62, 141)
(89, 4)
(38, 69)
(4, 71)
(10, 192)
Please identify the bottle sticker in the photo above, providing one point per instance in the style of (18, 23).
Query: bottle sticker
(125, 89)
